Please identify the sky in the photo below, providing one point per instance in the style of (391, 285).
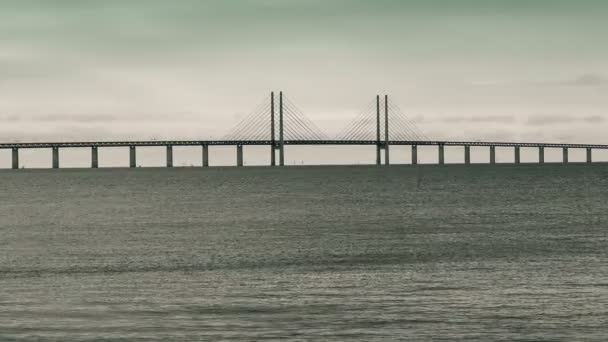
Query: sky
(524, 70)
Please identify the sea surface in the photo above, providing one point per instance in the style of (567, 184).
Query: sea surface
(453, 253)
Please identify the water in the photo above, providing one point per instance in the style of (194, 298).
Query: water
(307, 253)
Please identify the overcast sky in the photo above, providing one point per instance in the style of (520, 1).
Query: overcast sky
(527, 70)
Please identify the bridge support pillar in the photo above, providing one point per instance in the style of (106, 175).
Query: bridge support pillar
(169, 156)
(441, 155)
(379, 150)
(275, 148)
(386, 155)
(414, 154)
(517, 155)
(94, 158)
(565, 155)
(15, 158)
(205, 155)
(589, 159)
(239, 155)
(467, 154)
(492, 154)
(273, 158)
(55, 157)
(541, 155)
(132, 156)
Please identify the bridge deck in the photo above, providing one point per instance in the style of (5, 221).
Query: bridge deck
(286, 142)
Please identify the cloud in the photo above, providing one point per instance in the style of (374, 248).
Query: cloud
(101, 118)
(468, 119)
(587, 80)
(544, 119)
(590, 79)
(474, 135)
(481, 119)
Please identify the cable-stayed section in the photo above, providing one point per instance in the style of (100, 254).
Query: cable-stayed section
(362, 127)
(297, 126)
(401, 127)
(258, 125)
(255, 126)
(370, 124)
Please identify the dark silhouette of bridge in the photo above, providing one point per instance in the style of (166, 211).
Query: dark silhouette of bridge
(277, 122)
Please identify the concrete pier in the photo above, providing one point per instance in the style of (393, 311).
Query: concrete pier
(589, 157)
(492, 154)
(94, 157)
(541, 155)
(132, 156)
(565, 155)
(441, 155)
(414, 154)
(517, 155)
(169, 156)
(205, 155)
(273, 157)
(55, 157)
(467, 154)
(239, 155)
(274, 154)
(15, 158)
(386, 156)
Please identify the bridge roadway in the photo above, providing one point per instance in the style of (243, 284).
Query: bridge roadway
(20, 145)
(279, 145)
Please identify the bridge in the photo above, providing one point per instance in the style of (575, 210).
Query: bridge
(277, 122)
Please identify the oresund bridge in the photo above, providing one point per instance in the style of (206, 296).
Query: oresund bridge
(277, 122)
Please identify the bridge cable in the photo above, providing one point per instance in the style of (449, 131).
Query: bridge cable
(303, 128)
(362, 127)
(353, 130)
(249, 125)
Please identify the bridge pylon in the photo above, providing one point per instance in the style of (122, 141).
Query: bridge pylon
(274, 143)
(281, 133)
(378, 145)
(382, 144)
(273, 161)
